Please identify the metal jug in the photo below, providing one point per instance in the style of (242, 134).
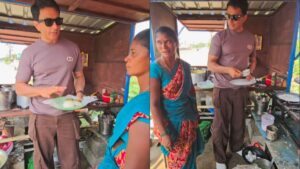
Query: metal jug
(106, 123)
(6, 98)
(262, 105)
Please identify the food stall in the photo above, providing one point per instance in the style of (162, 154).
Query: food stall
(276, 90)
(103, 31)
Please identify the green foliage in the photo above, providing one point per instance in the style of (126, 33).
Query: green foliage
(298, 42)
(9, 59)
(200, 45)
(296, 70)
(295, 87)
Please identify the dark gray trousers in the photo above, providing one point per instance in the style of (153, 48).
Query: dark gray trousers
(46, 132)
(229, 121)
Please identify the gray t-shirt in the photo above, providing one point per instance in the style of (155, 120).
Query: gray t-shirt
(233, 49)
(49, 65)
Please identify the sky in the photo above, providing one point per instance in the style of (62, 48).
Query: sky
(4, 49)
(195, 57)
(8, 72)
(191, 37)
(141, 26)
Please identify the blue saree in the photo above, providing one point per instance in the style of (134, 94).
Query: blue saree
(137, 109)
(179, 108)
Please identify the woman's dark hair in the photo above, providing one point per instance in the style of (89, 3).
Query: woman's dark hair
(40, 4)
(144, 38)
(168, 31)
(242, 4)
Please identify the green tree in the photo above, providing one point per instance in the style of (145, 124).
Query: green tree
(9, 59)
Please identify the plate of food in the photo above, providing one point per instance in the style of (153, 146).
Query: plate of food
(243, 82)
(69, 102)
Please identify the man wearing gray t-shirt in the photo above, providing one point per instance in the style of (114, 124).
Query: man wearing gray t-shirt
(55, 66)
(231, 51)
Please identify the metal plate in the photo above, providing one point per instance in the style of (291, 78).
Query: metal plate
(289, 97)
(243, 82)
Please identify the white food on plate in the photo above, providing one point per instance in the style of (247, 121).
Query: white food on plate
(69, 103)
(246, 72)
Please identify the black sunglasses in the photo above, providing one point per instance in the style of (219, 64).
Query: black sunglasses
(49, 22)
(233, 17)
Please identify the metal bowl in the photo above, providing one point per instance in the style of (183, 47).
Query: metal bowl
(272, 132)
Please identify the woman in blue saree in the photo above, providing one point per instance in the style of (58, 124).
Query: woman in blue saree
(128, 147)
(173, 104)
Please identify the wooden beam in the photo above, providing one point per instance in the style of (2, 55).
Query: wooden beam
(74, 5)
(206, 26)
(16, 42)
(117, 12)
(207, 22)
(209, 30)
(68, 25)
(183, 10)
(200, 17)
(19, 33)
(98, 14)
(154, 1)
(195, 24)
(16, 138)
(124, 6)
(92, 8)
(18, 38)
(5, 25)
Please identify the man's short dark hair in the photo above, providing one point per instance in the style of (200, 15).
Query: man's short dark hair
(40, 4)
(242, 4)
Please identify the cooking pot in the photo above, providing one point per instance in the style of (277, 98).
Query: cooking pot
(106, 124)
(198, 76)
(272, 132)
(288, 97)
(262, 104)
(7, 97)
(23, 102)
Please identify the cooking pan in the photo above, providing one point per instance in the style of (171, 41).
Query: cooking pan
(288, 97)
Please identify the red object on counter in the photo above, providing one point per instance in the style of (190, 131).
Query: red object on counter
(106, 98)
(268, 80)
(7, 147)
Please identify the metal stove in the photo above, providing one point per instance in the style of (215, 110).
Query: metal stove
(288, 115)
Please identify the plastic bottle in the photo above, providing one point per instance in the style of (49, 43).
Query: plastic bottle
(273, 82)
